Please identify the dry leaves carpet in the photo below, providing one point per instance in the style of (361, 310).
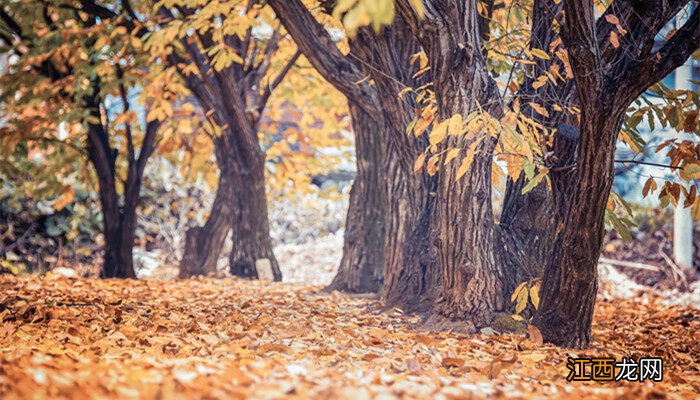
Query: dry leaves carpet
(69, 338)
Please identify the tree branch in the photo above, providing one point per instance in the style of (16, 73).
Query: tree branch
(654, 67)
(315, 43)
(275, 82)
(582, 46)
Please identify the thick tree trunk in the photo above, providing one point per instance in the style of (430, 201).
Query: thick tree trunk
(569, 283)
(525, 230)
(203, 245)
(251, 250)
(361, 268)
(411, 281)
(475, 284)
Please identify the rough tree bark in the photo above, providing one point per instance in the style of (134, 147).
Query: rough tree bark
(361, 267)
(411, 281)
(608, 79)
(474, 284)
(236, 96)
(409, 273)
(525, 229)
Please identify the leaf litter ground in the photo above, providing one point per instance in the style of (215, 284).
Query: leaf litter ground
(206, 338)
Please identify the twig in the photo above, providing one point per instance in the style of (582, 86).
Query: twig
(629, 264)
(648, 163)
(677, 271)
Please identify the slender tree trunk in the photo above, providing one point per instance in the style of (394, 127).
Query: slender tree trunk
(362, 265)
(569, 283)
(252, 246)
(119, 223)
(203, 244)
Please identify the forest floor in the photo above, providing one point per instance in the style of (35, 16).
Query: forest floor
(227, 338)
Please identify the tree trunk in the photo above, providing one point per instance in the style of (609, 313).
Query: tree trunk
(361, 268)
(119, 223)
(119, 244)
(203, 244)
(525, 229)
(411, 281)
(569, 284)
(251, 226)
(475, 284)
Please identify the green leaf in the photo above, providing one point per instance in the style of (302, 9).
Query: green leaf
(620, 227)
(534, 182)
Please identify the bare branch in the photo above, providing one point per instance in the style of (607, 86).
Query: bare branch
(654, 67)
(278, 79)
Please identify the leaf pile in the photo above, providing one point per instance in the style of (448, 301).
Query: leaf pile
(204, 338)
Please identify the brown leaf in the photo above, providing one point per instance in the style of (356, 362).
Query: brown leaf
(535, 335)
(614, 40)
(451, 362)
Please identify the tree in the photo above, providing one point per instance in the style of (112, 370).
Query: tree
(361, 267)
(84, 71)
(610, 72)
(232, 72)
(477, 275)
(385, 60)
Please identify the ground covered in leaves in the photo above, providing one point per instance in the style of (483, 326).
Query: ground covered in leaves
(75, 338)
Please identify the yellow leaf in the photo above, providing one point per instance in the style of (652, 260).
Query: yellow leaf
(432, 167)
(438, 133)
(418, 165)
(690, 172)
(404, 91)
(541, 81)
(517, 291)
(541, 54)
(451, 155)
(612, 19)
(521, 301)
(695, 211)
(539, 109)
(455, 124)
(464, 166)
(424, 122)
(534, 182)
(535, 295)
